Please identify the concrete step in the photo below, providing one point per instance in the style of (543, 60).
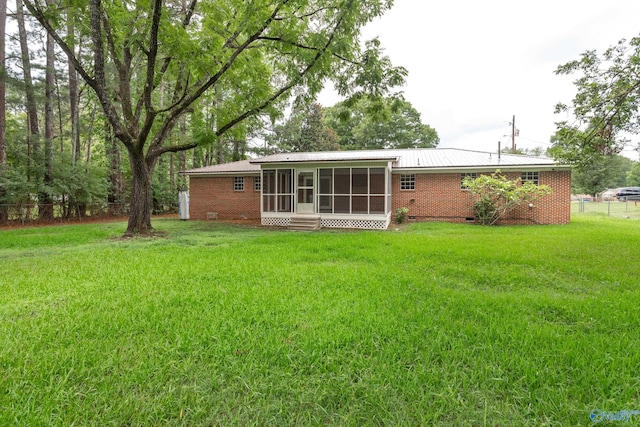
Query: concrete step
(304, 223)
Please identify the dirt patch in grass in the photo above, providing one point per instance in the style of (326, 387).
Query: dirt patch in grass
(75, 221)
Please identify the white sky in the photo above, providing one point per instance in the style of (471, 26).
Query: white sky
(474, 64)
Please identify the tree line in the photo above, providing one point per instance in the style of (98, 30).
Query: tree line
(599, 174)
(59, 155)
(77, 165)
(103, 103)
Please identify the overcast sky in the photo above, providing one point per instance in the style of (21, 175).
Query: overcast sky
(474, 64)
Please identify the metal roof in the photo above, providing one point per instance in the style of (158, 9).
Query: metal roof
(329, 156)
(444, 158)
(402, 159)
(243, 166)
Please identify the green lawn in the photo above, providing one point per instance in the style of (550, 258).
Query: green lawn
(213, 324)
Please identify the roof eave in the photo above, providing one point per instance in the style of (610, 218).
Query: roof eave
(224, 173)
(481, 168)
(363, 159)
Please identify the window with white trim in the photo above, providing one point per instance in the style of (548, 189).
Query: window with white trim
(408, 182)
(531, 176)
(238, 183)
(471, 175)
(277, 190)
(257, 183)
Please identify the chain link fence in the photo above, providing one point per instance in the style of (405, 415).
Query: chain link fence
(592, 206)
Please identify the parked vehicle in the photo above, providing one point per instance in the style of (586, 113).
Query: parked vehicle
(629, 193)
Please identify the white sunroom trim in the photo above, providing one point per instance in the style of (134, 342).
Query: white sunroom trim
(369, 222)
(331, 220)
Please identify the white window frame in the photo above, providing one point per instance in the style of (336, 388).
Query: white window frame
(408, 182)
(532, 176)
(238, 183)
(257, 183)
(472, 175)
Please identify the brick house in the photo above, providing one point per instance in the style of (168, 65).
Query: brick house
(362, 189)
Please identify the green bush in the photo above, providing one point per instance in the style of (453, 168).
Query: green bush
(499, 195)
(401, 215)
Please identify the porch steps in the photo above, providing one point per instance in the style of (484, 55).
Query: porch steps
(304, 223)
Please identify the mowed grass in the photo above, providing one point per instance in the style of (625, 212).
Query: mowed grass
(214, 324)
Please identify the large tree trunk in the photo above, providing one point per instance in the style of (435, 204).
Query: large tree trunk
(219, 152)
(45, 198)
(73, 98)
(3, 88)
(141, 203)
(32, 110)
(90, 136)
(172, 172)
(183, 154)
(3, 110)
(115, 176)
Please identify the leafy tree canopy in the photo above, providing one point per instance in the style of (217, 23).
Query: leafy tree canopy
(369, 123)
(150, 62)
(606, 172)
(303, 131)
(633, 175)
(605, 105)
(535, 151)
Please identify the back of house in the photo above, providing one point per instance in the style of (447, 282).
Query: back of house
(362, 189)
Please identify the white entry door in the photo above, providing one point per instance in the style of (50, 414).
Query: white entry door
(305, 192)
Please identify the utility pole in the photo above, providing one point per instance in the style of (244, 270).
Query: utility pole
(514, 132)
(513, 135)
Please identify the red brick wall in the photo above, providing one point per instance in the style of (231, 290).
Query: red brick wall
(554, 208)
(215, 194)
(438, 197)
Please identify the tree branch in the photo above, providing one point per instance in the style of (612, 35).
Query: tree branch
(185, 23)
(308, 15)
(179, 98)
(302, 46)
(174, 148)
(285, 88)
(123, 68)
(151, 68)
(607, 120)
(202, 87)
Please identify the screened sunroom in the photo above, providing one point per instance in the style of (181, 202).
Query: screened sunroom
(355, 193)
